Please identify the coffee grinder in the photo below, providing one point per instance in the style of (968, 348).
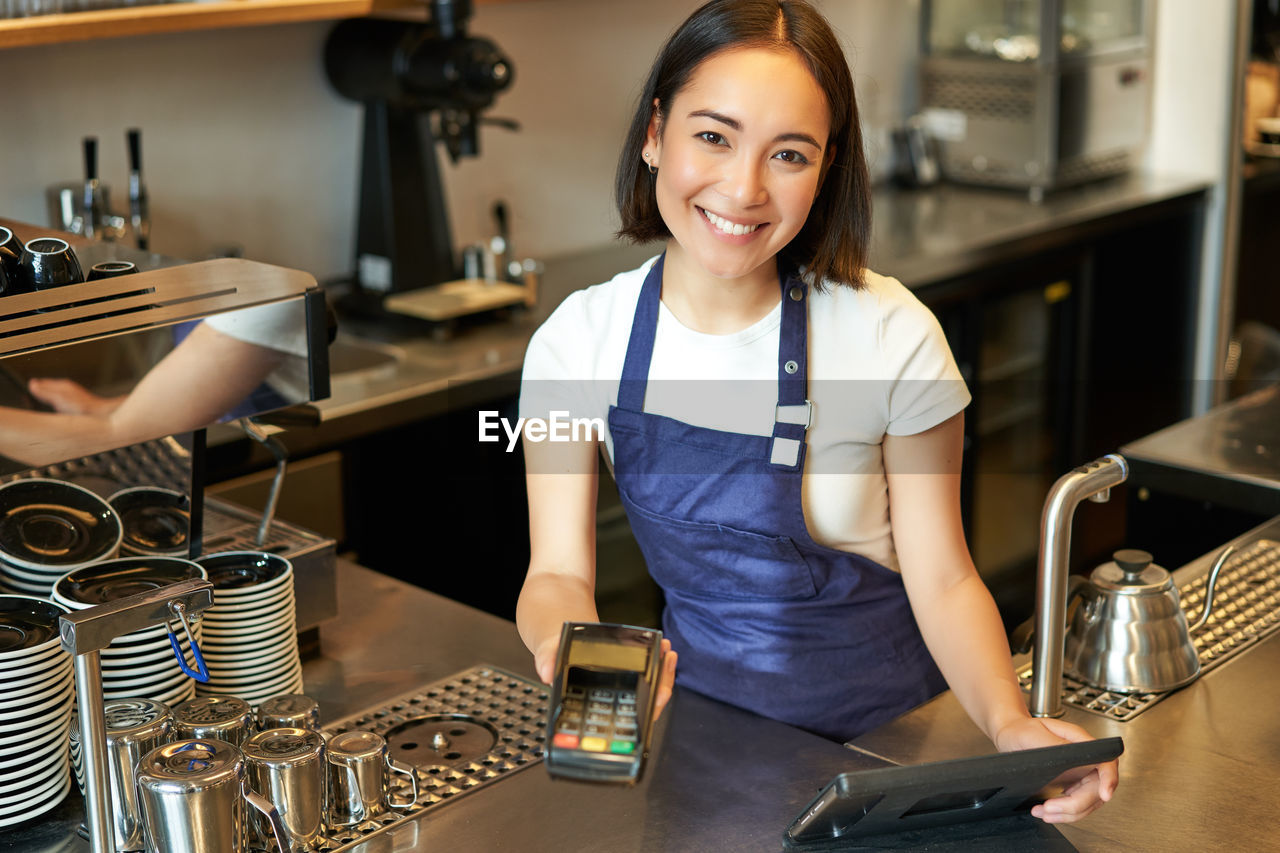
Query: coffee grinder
(420, 83)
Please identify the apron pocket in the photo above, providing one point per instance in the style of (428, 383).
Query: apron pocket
(714, 561)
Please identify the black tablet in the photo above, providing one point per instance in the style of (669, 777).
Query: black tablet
(894, 799)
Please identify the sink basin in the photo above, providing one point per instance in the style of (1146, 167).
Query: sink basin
(354, 358)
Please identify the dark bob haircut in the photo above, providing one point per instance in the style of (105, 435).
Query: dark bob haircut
(833, 241)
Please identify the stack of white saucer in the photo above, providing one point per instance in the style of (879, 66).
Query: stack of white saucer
(250, 634)
(141, 664)
(36, 701)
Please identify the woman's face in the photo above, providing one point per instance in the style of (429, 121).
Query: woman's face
(740, 158)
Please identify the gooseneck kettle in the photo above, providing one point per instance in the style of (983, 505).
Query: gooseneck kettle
(1129, 633)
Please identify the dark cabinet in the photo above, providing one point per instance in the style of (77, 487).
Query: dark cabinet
(1257, 298)
(1069, 353)
(430, 505)
(1014, 335)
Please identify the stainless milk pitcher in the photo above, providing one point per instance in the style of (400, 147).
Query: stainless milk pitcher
(289, 711)
(193, 796)
(357, 764)
(225, 718)
(286, 765)
(134, 728)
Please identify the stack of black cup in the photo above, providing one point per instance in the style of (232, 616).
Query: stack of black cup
(45, 263)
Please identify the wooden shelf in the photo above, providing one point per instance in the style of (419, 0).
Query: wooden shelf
(184, 16)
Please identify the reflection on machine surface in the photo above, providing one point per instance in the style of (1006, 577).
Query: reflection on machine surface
(95, 366)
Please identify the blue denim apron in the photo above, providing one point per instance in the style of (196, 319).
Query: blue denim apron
(763, 617)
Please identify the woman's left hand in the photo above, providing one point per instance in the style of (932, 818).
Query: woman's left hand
(1087, 788)
(68, 397)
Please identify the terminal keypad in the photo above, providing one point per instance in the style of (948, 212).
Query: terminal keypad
(595, 719)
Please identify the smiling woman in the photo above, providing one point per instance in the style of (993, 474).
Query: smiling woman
(734, 184)
(833, 238)
(784, 425)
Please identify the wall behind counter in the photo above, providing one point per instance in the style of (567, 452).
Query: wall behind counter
(245, 143)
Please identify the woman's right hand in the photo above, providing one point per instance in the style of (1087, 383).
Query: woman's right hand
(544, 662)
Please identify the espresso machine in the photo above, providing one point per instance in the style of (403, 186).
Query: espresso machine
(108, 336)
(69, 492)
(421, 84)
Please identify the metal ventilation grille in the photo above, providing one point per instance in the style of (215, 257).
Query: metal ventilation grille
(488, 723)
(1246, 609)
(1079, 169)
(982, 96)
(93, 309)
(1074, 171)
(996, 172)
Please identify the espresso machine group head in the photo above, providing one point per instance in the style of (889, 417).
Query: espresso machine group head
(420, 83)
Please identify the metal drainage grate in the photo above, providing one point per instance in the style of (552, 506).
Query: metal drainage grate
(163, 462)
(1246, 609)
(460, 733)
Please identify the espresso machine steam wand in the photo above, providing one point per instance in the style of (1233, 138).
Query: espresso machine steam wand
(420, 84)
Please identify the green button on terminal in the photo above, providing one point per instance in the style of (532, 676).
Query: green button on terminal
(622, 747)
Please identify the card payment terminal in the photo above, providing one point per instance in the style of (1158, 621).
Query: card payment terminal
(602, 702)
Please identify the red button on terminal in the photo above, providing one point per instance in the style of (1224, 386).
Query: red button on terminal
(565, 740)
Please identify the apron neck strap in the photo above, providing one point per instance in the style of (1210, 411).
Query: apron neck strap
(793, 412)
(792, 348)
(635, 370)
(793, 337)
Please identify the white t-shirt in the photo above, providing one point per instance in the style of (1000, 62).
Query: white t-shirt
(878, 363)
(279, 326)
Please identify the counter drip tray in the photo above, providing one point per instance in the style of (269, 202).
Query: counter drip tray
(1246, 609)
(460, 734)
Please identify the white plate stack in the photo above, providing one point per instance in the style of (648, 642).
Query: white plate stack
(142, 664)
(250, 634)
(36, 701)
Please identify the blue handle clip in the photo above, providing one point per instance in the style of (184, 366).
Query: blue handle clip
(202, 671)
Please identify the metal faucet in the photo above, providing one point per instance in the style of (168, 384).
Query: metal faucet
(1092, 481)
(85, 634)
(255, 430)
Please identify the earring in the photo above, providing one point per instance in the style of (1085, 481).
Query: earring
(653, 170)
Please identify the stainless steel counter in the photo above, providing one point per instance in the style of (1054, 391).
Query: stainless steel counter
(1229, 455)
(724, 780)
(1196, 772)
(923, 237)
(1198, 769)
(721, 779)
